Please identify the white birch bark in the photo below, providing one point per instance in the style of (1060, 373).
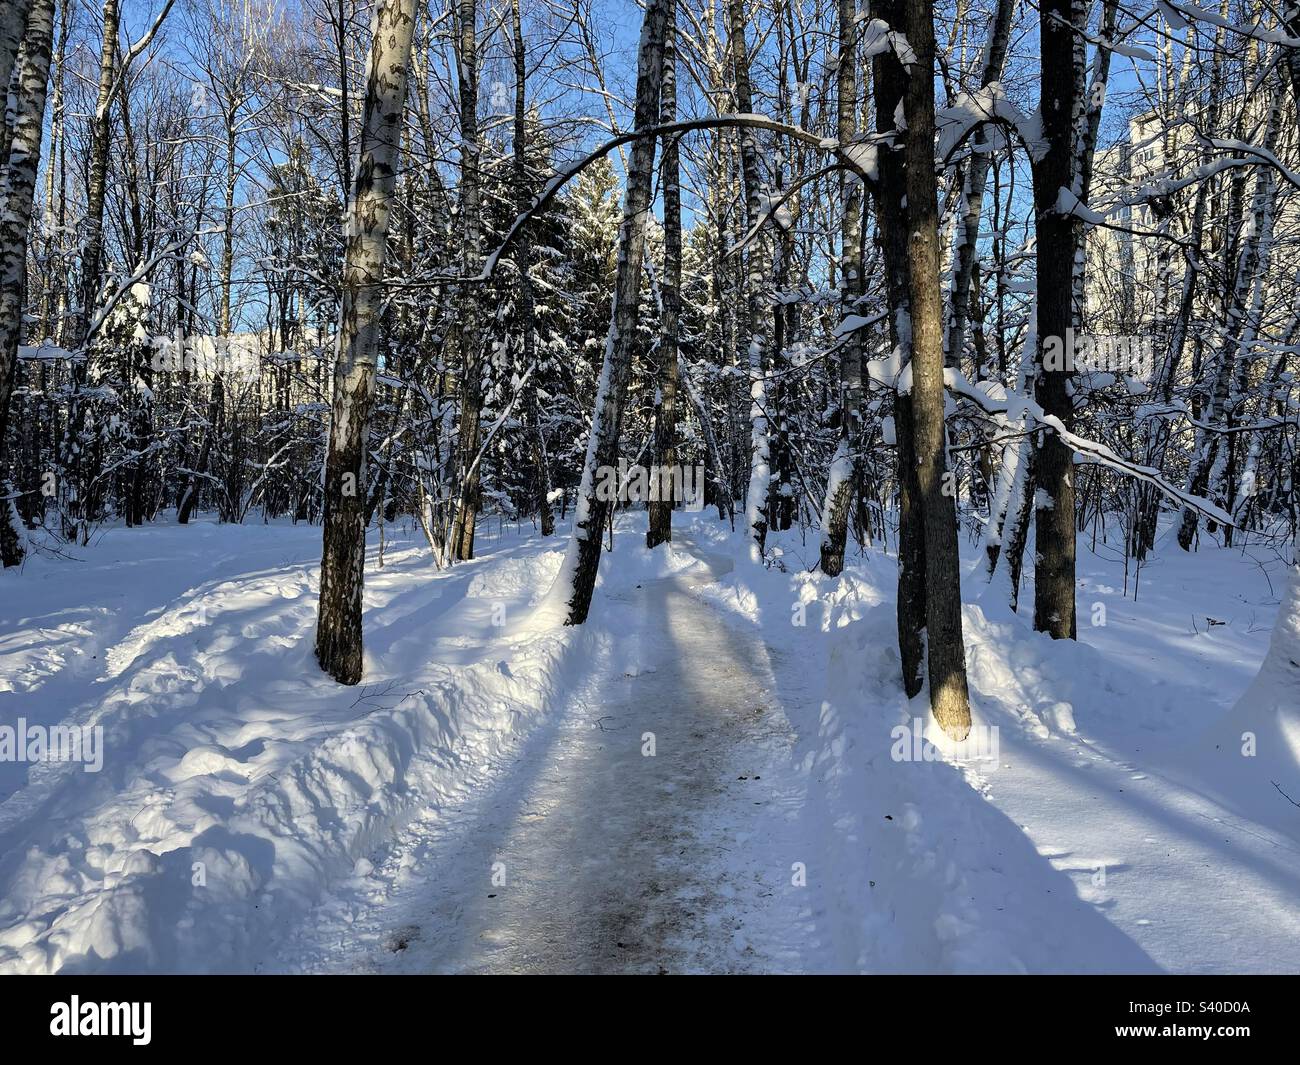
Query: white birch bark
(576, 581)
(17, 193)
(338, 629)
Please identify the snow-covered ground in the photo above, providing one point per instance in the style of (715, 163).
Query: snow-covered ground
(705, 777)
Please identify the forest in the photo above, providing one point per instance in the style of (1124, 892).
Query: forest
(799, 450)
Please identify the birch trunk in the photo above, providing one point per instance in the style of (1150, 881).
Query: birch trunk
(1086, 143)
(338, 627)
(1241, 326)
(1004, 537)
(92, 258)
(977, 172)
(577, 578)
(758, 262)
(13, 26)
(660, 528)
(19, 176)
(1144, 538)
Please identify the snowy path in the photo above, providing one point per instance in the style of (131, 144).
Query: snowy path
(483, 802)
(582, 853)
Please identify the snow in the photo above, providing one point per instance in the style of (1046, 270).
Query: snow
(226, 746)
(1068, 203)
(990, 104)
(1093, 844)
(251, 815)
(865, 156)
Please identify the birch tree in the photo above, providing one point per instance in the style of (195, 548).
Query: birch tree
(577, 578)
(13, 27)
(660, 528)
(16, 197)
(471, 383)
(758, 262)
(338, 624)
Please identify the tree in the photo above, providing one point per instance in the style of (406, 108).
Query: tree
(945, 648)
(758, 262)
(660, 528)
(1062, 26)
(891, 213)
(577, 578)
(17, 193)
(471, 380)
(338, 625)
(524, 264)
(13, 27)
(846, 466)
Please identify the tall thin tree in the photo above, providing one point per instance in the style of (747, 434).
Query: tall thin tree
(577, 578)
(17, 192)
(846, 466)
(945, 648)
(471, 383)
(1062, 27)
(338, 624)
(660, 528)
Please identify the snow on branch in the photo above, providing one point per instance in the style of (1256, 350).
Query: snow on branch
(1067, 203)
(878, 38)
(1181, 15)
(1014, 404)
(987, 106)
(1262, 155)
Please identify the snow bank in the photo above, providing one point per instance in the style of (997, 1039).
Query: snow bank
(238, 780)
(1254, 751)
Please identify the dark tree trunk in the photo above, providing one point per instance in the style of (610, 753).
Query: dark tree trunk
(945, 648)
(471, 384)
(846, 466)
(660, 528)
(523, 260)
(890, 82)
(1062, 47)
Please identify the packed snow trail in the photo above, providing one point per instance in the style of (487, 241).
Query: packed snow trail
(591, 854)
